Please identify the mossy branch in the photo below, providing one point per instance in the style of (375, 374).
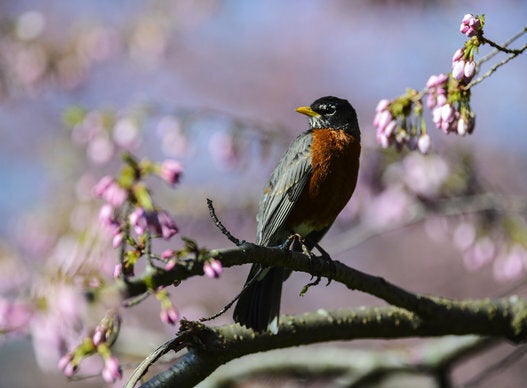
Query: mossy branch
(210, 347)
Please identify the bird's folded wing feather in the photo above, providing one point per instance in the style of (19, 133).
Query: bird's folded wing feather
(284, 188)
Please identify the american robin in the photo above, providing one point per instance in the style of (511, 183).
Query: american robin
(307, 190)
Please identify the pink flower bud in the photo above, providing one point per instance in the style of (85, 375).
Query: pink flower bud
(461, 127)
(171, 171)
(383, 140)
(107, 217)
(382, 105)
(383, 118)
(108, 189)
(458, 55)
(117, 240)
(390, 128)
(170, 315)
(168, 226)
(447, 113)
(470, 25)
(469, 70)
(463, 28)
(98, 337)
(212, 268)
(423, 143)
(138, 221)
(112, 370)
(167, 254)
(100, 188)
(66, 365)
(441, 99)
(431, 100)
(467, 17)
(458, 70)
(118, 271)
(170, 264)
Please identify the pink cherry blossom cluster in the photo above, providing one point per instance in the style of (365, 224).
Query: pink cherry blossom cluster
(448, 114)
(392, 128)
(400, 122)
(463, 65)
(157, 222)
(471, 25)
(99, 343)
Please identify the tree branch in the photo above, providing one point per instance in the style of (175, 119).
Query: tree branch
(210, 347)
(352, 367)
(425, 306)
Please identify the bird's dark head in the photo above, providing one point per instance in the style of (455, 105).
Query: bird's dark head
(332, 112)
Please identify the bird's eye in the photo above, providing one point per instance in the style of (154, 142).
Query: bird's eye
(328, 110)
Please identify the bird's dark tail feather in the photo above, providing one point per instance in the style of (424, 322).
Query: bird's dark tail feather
(259, 305)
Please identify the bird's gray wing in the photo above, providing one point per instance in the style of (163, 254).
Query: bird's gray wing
(283, 190)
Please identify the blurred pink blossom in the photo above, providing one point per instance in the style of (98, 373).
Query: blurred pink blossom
(168, 226)
(424, 175)
(388, 207)
(223, 151)
(138, 221)
(171, 171)
(479, 254)
(126, 133)
(112, 370)
(423, 143)
(158, 222)
(14, 316)
(100, 149)
(510, 265)
(108, 189)
(212, 268)
(66, 365)
(117, 240)
(169, 315)
(464, 235)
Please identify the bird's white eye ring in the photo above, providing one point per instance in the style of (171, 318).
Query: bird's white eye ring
(327, 110)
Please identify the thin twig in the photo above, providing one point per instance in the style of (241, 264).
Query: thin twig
(229, 305)
(498, 47)
(506, 44)
(496, 67)
(220, 226)
(135, 301)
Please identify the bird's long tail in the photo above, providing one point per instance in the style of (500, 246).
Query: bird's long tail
(259, 304)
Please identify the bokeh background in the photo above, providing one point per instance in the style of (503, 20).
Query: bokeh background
(214, 84)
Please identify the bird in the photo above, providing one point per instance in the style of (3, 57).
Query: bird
(313, 181)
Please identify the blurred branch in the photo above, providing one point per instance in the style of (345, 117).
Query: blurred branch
(419, 212)
(210, 347)
(351, 367)
(515, 356)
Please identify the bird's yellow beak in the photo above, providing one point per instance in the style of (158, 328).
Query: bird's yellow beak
(306, 110)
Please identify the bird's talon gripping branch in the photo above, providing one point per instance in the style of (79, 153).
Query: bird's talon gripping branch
(327, 260)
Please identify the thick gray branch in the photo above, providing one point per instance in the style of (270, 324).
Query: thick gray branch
(209, 348)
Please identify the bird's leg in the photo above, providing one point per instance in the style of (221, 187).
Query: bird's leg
(329, 261)
(289, 242)
(297, 243)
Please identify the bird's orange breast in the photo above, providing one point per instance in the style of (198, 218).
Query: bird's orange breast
(335, 164)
